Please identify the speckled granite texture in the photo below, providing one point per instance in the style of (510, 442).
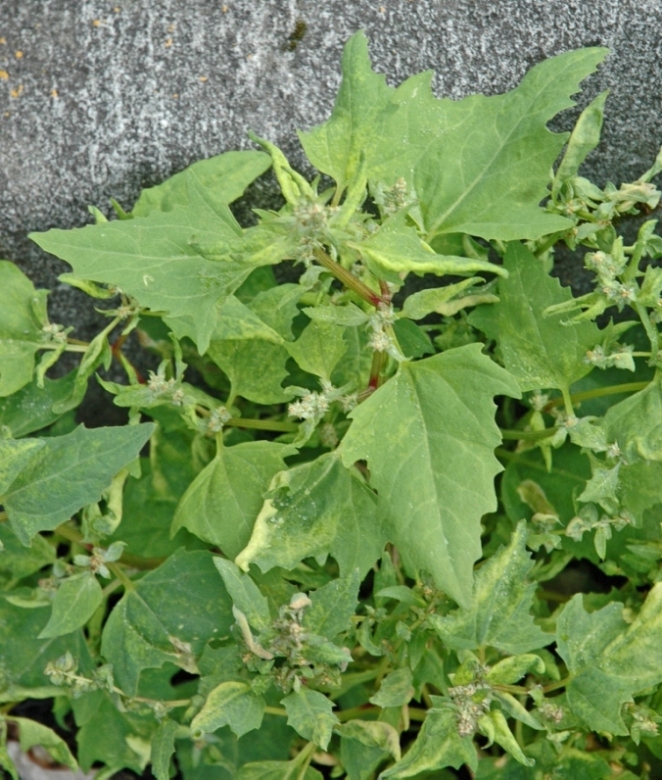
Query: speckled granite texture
(100, 99)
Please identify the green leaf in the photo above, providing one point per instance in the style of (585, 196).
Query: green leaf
(163, 747)
(245, 594)
(454, 152)
(348, 314)
(635, 424)
(113, 749)
(396, 248)
(68, 473)
(277, 770)
(539, 351)
(230, 704)
(21, 333)
(311, 714)
(227, 175)
(333, 607)
(149, 503)
(168, 615)
(358, 760)
(255, 368)
(222, 502)
(31, 408)
(437, 745)
(609, 660)
(312, 510)
(18, 561)
(440, 300)
(396, 689)
(414, 342)
(277, 307)
(495, 726)
(319, 348)
(641, 487)
(423, 433)
(335, 146)
(23, 657)
(14, 457)
(372, 733)
(152, 259)
(236, 321)
(584, 138)
(7, 764)
(76, 600)
(500, 614)
(31, 734)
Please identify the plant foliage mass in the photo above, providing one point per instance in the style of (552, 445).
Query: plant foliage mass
(388, 505)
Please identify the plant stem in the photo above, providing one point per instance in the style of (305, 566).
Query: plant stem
(348, 278)
(121, 576)
(262, 425)
(376, 370)
(281, 712)
(528, 435)
(555, 686)
(651, 332)
(3, 517)
(599, 392)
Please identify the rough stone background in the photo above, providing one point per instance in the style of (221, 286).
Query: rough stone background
(100, 99)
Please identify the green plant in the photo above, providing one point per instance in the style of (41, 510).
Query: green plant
(315, 538)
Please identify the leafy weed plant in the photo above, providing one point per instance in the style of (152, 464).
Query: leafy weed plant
(310, 570)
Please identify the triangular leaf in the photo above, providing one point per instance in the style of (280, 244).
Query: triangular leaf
(163, 746)
(333, 606)
(454, 153)
(315, 509)
(635, 424)
(538, 350)
(76, 600)
(244, 593)
(438, 745)
(222, 502)
(21, 333)
(311, 714)
(232, 704)
(319, 348)
(428, 435)
(167, 616)
(610, 660)
(153, 260)
(227, 175)
(68, 473)
(255, 368)
(500, 614)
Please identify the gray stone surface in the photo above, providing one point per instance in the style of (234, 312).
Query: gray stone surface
(103, 98)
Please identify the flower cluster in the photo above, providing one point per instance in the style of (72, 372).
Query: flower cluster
(63, 672)
(619, 356)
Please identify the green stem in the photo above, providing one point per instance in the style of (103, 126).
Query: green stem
(3, 517)
(567, 402)
(279, 711)
(651, 331)
(555, 686)
(376, 370)
(121, 576)
(348, 278)
(528, 435)
(599, 392)
(114, 585)
(262, 425)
